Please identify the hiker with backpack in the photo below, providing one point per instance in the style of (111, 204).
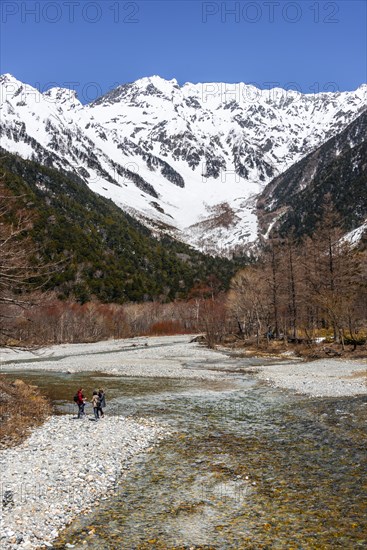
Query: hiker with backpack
(102, 402)
(80, 401)
(95, 404)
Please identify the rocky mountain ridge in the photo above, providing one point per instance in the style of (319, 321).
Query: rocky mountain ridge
(186, 160)
(338, 170)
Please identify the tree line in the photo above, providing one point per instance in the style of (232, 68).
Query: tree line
(299, 290)
(296, 290)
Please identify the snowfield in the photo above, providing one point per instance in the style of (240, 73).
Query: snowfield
(172, 154)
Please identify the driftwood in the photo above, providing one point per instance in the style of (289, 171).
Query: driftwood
(331, 352)
(199, 338)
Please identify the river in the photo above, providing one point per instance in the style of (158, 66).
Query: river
(247, 466)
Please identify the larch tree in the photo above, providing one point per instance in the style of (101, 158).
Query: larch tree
(22, 272)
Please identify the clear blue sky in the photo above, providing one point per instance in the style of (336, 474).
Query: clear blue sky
(316, 45)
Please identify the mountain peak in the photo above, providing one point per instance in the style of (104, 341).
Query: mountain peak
(158, 82)
(177, 156)
(63, 96)
(10, 87)
(7, 77)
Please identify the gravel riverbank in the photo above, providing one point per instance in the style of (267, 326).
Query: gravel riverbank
(322, 378)
(163, 357)
(67, 465)
(177, 357)
(64, 468)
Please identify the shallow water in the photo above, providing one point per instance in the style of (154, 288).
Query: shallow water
(247, 467)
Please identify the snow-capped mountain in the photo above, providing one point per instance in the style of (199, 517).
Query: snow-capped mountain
(188, 159)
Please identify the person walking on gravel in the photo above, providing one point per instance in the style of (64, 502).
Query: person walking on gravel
(102, 402)
(80, 401)
(95, 404)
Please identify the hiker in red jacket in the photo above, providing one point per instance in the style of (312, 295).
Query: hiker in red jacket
(80, 402)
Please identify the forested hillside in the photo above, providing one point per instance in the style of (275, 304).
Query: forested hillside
(338, 169)
(100, 251)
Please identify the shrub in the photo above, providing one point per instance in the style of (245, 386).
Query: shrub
(166, 328)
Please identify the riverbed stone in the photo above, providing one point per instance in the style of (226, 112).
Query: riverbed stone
(52, 477)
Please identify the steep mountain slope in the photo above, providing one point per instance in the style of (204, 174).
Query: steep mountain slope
(104, 252)
(187, 160)
(338, 168)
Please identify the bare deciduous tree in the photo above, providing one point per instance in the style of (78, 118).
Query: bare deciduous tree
(21, 269)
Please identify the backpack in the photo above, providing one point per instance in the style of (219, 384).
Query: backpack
(76, 398)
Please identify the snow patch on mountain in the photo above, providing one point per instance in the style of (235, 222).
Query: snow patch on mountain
(354, 237)
(184, 159)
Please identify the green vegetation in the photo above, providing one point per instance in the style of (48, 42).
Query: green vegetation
(337, 169)
(344, 183)
(104, 253)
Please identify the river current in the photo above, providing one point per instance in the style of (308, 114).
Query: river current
(246, 467)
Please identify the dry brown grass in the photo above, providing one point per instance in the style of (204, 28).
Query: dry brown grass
(358, 374)
(250, 347)
(21, 408)
(323, 351)
(280, 348)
